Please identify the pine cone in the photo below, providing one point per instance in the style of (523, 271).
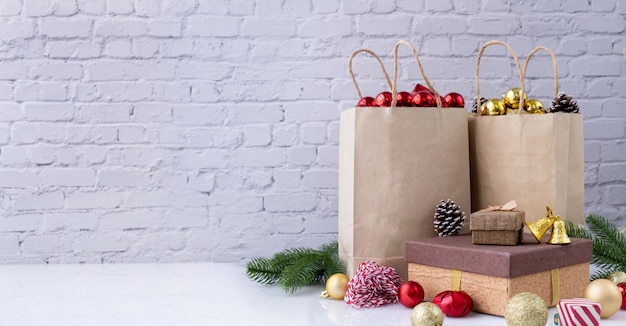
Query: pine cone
(564, 103)
(475, 104)
(449, 218)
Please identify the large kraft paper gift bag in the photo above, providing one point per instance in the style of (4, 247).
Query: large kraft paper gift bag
(535, 158)
(395, 165)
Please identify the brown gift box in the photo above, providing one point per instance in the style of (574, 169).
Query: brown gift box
(497, 227)
(491, 275)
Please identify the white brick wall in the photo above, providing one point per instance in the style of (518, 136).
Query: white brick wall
(191, 130)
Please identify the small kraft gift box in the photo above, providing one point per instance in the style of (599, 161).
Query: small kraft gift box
(498, 225)
(491, 275)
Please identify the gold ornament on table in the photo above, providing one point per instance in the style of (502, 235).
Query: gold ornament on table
(607, 294)
(511, 98)
(617, 277)
(534, 106)
(427, 314)
(336, 287)
(526, 309)
(493, 106)
(550, 221)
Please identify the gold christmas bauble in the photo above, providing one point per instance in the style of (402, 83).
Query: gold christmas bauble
(534, 106)
(526, 309)
(426, 314)
(337, 285)
(617, 277)
(493, 106)
(607, 294)
(511, 98)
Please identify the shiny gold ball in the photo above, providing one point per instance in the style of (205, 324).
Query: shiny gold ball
(607, 294)
(493, 106)
(512, 96)
(337, 285)
(426, 314)
(534, 106)
(526, 309)
(617, 277)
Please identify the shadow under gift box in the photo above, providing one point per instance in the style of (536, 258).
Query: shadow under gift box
(492, 274)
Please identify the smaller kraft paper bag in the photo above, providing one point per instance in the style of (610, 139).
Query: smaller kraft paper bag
(498, 225)
(395, 165)
(535, 158)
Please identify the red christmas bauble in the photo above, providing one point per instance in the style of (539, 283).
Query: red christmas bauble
(622, 289)
(366, 101)
(411, 294)
(424, 99)
(404, 99)
(453, 100)
(419, 88)
(383, 99)
(454, 303)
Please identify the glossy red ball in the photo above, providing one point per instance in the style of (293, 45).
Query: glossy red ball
(366, 101)
(419, 88)
(454, 303)
(453, 100)
(411, 294)
(622, 289)
(424, 99)
(404, 99)
(383, 99)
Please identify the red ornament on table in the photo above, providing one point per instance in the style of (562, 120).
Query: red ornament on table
(453, 100)
(366, 101)
(383, 99)
(424, 99)
(454, 303)
(622, 289)
(404, 99)
(411, 294)
(419, 88)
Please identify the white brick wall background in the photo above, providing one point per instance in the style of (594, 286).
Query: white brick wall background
(202, 130)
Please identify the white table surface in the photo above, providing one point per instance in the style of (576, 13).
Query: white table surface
(183, 294)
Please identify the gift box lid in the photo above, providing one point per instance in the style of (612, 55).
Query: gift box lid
(497, 221)
(458, 252)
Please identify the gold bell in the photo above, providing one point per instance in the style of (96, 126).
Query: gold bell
(541, 226)
(559, 234)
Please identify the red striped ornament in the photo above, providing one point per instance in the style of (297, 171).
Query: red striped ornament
(578, 312)
(372, 286)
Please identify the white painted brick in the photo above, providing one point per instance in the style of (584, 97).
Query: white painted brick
(37, 8)
(204, 92)
(70, 221)
(131, 134)
(601, 23)
(43, 154)
(600, 88)
(5, 134)
(13, 70)
(285, 135)
(287, 179)
(6, 92)
(68, 177)
(326, 7)
(41, 92)
(104, 113)
(93, 199)
(328, 156)
(257, 135)
(58, 28)
(105, 71)
(256, 113)
(14, 155)
(493, 25)
(441, 25)
(147, 8)
(253, 157)
(49, 111)
(604, 129)
(121, 28)
(383, 26)
(611, 172)
(202, 181)
(39, 201)
(120, 7)
(95, 156)
(144, 199)
(439, 5)
(164, 28)
(92, 7)
(99, 242)
(188, 217)
(192, 160)
(313, 133)
(266, 27)
(290, 202)
(318, 27)
(119, 49)
(22, 133)
(129, 220)
(104, 134)
(600, 45)
(356, 7)
(207, 48)
(57, 71)
(614, 108)
(10, 8)
(224, 203)
(18, 179)
(11, 112)
(573, 46)
(605, 66)
(320, 179)
(144, 157)
(302, 155)
(179, 7)
(321, 111)
(113, 177)
(214, 137)
(152, 112)
(67, 156)
(174, 48)
(9, 244)
(213, 26)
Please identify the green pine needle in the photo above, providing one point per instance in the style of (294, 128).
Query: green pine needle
(609, 244)
(297, 267)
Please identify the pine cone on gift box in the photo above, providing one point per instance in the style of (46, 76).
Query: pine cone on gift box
(564, 103)
(449, 218)
(475, 104)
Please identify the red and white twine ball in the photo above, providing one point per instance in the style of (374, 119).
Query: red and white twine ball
(372, 286)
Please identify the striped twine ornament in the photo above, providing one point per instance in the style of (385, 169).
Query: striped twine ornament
(372, 286)
(578, 312)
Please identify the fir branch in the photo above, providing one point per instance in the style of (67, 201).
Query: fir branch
(302, 272)
(261, 270)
